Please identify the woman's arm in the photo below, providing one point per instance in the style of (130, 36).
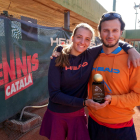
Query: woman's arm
(133, 54)
(134, 57)
(56, 95)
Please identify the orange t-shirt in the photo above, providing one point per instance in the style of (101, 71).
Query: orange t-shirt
(122, 83)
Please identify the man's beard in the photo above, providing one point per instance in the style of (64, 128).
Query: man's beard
(109, 46)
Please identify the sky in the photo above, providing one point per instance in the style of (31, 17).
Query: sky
(127, 11)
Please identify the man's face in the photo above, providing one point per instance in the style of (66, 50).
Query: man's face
(110, 33)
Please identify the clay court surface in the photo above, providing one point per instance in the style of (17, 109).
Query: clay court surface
(34, 133)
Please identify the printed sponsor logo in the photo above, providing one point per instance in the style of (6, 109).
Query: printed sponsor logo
(58, 41)
(76, 67)
(106, 69)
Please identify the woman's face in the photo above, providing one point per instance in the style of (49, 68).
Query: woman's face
(81, 41)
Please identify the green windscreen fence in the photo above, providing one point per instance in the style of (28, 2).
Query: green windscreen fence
(25, 49)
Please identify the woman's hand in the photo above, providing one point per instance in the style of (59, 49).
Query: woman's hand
(94, 105)
(134, 57)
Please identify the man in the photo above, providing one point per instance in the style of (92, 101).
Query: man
(122, 85)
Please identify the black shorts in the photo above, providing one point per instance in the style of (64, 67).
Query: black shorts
(100, 132)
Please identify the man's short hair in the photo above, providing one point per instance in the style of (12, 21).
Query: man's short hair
(110, 16)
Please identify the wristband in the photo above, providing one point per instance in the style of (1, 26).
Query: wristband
(84, 104)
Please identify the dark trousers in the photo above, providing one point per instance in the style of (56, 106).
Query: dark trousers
(100, 132)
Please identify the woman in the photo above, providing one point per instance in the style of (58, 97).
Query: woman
(67, 83)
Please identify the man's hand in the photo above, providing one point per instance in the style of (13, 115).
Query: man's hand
(55, 54)
(94, 105)
(134, 57)
(108, 98)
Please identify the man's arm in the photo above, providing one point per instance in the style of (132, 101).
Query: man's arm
(131, 99)
(133, 54)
